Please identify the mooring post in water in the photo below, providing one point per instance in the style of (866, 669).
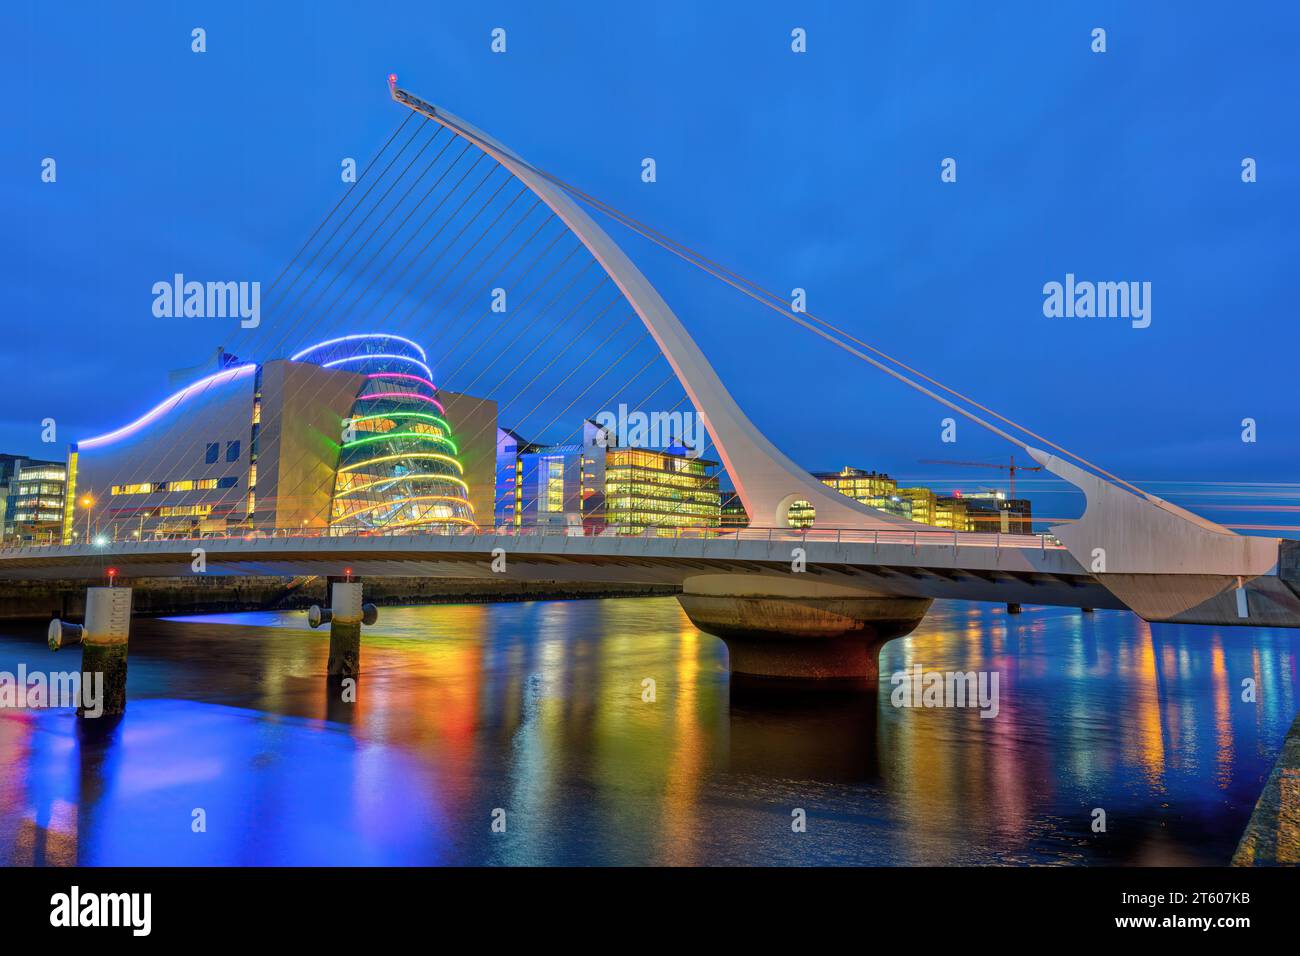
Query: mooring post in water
(345, 615)
(103, 640)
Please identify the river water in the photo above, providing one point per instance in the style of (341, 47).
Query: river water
(234, 750)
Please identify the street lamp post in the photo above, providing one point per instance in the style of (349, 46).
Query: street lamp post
(88, 503)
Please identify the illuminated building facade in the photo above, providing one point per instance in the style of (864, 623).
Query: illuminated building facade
(32, 499)
(733, 511)
(858, 484)
(922, 504)
(993, 511)
(347, 436)
(869, 487)
(984, 511)
(507, 508)
(645, 488)
(599, 487)
(552, 485)
(951, 512)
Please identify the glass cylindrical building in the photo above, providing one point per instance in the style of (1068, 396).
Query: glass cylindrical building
(399, 468)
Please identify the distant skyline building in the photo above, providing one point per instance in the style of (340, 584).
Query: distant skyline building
(668, 489)
(31, 499)
(922, 505)
(858, 484)
(951, 512)
(733, 513)
(598, 486)
(872, 488)
(993, 511)
(983, 511)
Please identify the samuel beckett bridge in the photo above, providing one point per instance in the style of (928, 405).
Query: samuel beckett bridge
(339, 451)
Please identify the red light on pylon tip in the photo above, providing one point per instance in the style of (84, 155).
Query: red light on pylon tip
(392, 79)
(112, 572)
(348, 572)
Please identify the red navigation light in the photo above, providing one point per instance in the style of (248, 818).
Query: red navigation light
(112, 573)
(347, 572)
(392, 79)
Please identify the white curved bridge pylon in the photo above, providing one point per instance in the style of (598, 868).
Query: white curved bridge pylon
(766, 480)
(1162, 561)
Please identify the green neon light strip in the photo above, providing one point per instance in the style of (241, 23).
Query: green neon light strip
(382, 435)
(412, 454)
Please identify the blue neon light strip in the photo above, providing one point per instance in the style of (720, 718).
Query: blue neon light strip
(361, 358)
(361, 335)
(167, 405)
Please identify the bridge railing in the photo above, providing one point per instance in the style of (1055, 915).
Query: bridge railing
(926, 536)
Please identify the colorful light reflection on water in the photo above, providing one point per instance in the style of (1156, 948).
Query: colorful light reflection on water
(537, 709)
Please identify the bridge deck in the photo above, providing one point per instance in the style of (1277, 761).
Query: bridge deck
(972, 566)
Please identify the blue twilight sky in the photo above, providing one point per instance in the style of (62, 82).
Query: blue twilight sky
(818, 170)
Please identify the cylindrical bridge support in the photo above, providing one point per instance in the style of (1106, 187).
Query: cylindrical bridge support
(345, 615)
(792, 629)
(103, 640)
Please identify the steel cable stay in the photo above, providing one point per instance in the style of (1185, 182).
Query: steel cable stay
(776, 303)
(488, 257)
(134, 477)
(181, 451)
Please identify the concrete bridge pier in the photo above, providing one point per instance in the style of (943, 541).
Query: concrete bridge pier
(345, 615)
(795, 630)
(103, 640)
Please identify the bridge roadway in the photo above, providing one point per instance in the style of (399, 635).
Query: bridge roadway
(1024, 569)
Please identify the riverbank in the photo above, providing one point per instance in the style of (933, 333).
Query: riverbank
(1272, 837)
(42, 600)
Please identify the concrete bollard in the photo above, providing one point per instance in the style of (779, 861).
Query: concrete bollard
(103, 640)
(345, 615)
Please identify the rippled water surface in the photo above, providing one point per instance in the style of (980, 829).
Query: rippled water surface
(537, 709)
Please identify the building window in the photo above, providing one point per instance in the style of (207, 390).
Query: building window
(232, 451)
(554, 485)
(227, 482)
(213, 449)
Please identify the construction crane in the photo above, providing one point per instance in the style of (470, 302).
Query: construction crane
(1011, 468)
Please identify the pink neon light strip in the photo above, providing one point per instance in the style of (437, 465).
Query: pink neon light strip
(413, 378)
(424, 398)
